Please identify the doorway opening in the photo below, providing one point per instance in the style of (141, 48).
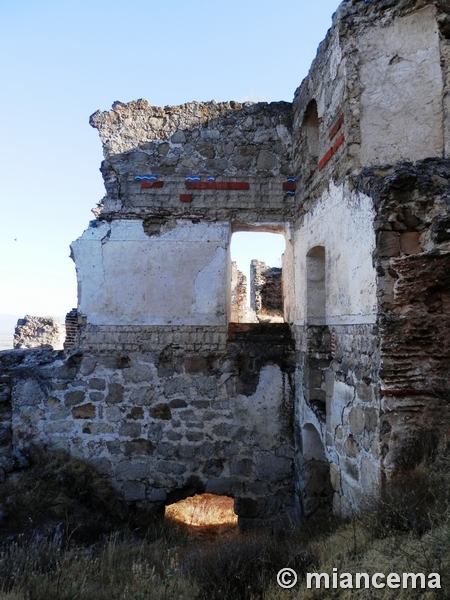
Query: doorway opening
(203, 510)
(256, 289)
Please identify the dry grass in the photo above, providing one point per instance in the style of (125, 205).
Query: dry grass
(407, 530)
(118, 569)
(60, 491)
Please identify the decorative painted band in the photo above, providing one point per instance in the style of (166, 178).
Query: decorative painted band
(186, 197)
(331, 151)
(217, 185)
(289, 186)
(337, 125)
(152, 184)
(145, 177)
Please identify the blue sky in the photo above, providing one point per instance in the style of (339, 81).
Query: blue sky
(61, 61)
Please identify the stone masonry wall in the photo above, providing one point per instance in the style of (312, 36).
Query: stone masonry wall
(337, 395)
(169, 423)
(240, 312)
(33, 332)
(244, 148)
(348, 114)
(413, 265)
(266, 294)
(162, 394)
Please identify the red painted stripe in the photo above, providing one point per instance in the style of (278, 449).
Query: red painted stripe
(337, 125)
(152, 184)
(325, 159)
(217, 185)
(289, 186)
(340, 140)
(186, 197)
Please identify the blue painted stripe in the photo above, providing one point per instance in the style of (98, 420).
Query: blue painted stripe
(192, 178)
(290, 193)
(291, 179)
(210, 178)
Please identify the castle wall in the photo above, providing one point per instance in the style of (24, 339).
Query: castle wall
(412, 259)
(174, 276)
(169, 398)
(171, 422)
(337, 351)
(341, 221)
(402, 88)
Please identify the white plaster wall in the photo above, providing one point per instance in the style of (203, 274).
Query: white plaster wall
(176, 278)
(342, 222)
(288, 276)
(401, 103)
(260, 413)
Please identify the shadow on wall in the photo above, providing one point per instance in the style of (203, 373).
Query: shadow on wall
(317, 492)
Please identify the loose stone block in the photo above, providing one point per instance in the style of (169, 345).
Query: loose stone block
(115, 393)
(351, 447)
(85, 411)
(97, 384)
(131, 470)
(130, 430)
(28, 393)
(371, 419)
(273, 468)
(102, 465)
(410, 242)
(356, 419)
(136, 412)
(73, 398)
(88, 365)
(388, 244)
(335, 478)
(133, 491)
(161, 411)
(138, 447)
(156, 495)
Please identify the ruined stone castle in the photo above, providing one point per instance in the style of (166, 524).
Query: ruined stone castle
(163, 387)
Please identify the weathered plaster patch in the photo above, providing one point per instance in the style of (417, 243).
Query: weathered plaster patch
(401, 102)
(342, 222)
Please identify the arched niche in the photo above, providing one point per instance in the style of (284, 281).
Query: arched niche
(315, 286)
(310, 127)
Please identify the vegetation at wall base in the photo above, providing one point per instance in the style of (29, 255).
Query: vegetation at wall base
(56, 547)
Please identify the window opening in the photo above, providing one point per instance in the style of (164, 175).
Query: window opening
(256, 277)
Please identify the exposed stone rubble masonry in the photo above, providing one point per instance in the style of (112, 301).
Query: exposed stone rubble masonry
(266, 295)
(33, 332)
(168, 396)
(171, 424)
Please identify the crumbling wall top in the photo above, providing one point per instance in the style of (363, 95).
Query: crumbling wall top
(199, 130)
